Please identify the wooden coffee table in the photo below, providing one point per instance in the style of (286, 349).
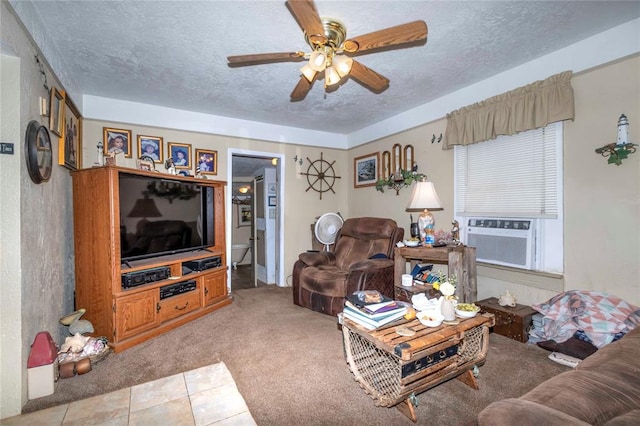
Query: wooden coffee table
(393, 368)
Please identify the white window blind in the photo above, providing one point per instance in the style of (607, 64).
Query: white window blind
(510, 176)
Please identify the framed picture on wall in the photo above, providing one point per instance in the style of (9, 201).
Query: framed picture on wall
(150, 146)
(207, 161)
(117, 141)
(181, 154)
(244, 215)
(70, 151)
(56, 111)
(366, 170)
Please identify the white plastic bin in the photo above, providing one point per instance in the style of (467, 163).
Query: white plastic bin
(42, 366)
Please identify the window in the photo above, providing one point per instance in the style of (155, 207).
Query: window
(506, 181)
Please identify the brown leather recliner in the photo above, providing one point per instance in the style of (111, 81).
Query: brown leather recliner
(322, 280)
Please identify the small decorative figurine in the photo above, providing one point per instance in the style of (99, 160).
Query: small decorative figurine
(507, 299)
(170, 166)
(199, 173)
(100, 160)
(455, 231)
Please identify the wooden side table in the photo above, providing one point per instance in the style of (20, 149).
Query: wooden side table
(461, 261)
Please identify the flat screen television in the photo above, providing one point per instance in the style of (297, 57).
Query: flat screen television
(161, 216)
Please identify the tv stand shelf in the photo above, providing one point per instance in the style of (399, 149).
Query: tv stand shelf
(129, 316)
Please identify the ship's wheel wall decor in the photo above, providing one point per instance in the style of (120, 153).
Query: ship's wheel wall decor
(321, 176)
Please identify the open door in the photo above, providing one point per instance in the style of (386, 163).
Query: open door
(265, 226)
(258, 227)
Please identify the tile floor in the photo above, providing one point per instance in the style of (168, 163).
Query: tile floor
(206, 396)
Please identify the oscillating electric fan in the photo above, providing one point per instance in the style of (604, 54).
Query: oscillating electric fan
(327, 227)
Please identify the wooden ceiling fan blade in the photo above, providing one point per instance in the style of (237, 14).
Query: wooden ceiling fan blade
(392, 36)
(301, 89)
(307, 16)
(264, 58)
(369, 78)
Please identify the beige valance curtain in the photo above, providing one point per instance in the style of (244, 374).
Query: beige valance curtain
(529, 107)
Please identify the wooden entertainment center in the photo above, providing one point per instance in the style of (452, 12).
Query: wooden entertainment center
(130, 314)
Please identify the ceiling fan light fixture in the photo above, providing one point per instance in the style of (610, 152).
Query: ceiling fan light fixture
(342, 64)
(318, 60)
(331, 76)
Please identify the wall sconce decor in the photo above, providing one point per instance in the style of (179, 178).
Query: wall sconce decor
(622, 148)
(399, 169)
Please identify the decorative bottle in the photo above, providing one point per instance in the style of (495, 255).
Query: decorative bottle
(430, 235)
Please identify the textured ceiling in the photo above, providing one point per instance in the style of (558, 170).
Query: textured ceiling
(173, 53)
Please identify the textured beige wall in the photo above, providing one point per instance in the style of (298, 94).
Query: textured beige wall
(601, 201)
(45, 246)
(10, 277)
(432, 160)
(300, 206)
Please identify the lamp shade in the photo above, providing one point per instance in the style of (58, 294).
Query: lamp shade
(331, 76)
(144, 207)
(424, 196)
(308, 73)
(318, 60)
(342, 64)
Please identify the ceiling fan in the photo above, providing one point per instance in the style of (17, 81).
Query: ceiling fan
(331, 51)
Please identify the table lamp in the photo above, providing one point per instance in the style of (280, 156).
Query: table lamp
(424, 197)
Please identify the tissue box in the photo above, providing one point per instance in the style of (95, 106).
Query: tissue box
(42, 366)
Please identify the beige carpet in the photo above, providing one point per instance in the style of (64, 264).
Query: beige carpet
(288, 363)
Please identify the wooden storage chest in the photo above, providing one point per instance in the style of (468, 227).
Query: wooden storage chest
(513, 323)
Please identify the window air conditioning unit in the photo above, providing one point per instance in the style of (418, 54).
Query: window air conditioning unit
(502, 241)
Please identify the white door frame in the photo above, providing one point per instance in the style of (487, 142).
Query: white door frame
(280, 173)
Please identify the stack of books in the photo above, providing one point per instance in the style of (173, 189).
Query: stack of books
(372, 315)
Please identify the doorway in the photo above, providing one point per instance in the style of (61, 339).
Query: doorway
(245, 169)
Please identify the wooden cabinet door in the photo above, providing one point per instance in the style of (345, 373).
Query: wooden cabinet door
(136, 313)
(215, 287)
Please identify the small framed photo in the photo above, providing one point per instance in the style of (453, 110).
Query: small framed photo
(117, 141)
(366, 170)
(56, 111)
(272, 200)
(70, 152)
(244, 215)
(207, 161)
(145, 165)
(150, 146)
(181, 154)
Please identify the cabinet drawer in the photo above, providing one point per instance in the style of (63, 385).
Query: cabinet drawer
(176, 306)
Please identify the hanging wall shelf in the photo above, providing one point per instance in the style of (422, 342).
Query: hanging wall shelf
(399, 169)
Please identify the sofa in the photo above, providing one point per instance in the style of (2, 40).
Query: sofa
(604, 389)
(360, 259)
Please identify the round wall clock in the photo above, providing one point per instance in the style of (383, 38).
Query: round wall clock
(37, 148)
